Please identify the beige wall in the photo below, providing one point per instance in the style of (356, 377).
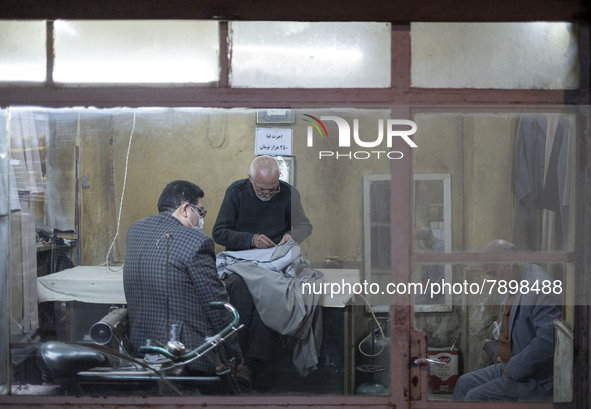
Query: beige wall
(476, 150)
(213, 148)
(97, 201)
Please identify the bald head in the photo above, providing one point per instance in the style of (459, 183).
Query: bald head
(500, 246)
(424, 236)
(505, 271)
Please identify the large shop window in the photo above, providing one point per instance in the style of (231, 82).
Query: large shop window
(79, 178)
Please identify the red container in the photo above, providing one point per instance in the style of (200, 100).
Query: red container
(443, 378)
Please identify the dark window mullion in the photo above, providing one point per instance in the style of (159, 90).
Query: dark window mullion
(50, 53)
(224, 58)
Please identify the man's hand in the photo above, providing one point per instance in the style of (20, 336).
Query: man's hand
(260, 241)
(286, 237)
(506, 372)
(239, 366)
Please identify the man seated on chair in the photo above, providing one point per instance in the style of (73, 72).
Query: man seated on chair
(170, 278)
(524, 368)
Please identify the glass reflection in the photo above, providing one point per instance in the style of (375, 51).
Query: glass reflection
(69, 168)
(511, 177)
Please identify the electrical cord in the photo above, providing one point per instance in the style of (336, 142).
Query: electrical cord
(122, 196)
(371, 333)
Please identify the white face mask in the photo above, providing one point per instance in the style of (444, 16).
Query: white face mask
(199, 224)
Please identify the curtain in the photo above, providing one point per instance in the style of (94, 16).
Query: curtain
(60, 195)
(542, 182)
(28, 131)
(9, 204)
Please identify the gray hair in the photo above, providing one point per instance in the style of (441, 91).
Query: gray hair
(501, 246)
(423, 233)
(265, 162)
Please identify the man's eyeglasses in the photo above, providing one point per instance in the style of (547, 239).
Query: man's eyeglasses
(201, 210)
(270, 192)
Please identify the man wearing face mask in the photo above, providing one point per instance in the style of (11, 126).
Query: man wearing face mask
(170, 277)
(260, 212)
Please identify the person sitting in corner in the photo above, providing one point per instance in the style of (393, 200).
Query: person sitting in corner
(524, 368)
(260, 211)
(170, 278)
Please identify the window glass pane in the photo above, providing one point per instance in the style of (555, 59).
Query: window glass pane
(511, 176)
(8, 203)
(536, 55)
(58, 226)
(468, 336)
(481, 176)
(136, 51)
(469, 191)
(22, 50)
(310, 55)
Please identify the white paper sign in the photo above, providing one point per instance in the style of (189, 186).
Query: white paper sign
(273, 141)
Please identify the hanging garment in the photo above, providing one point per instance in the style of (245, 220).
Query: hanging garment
(279, 299)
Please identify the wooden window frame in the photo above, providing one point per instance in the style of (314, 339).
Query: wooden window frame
(399, 94)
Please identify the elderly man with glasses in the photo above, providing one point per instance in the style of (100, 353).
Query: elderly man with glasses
(258, 212)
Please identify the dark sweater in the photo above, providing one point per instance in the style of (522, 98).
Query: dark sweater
(242, 215)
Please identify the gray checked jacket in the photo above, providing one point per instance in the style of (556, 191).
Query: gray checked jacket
(177, 292)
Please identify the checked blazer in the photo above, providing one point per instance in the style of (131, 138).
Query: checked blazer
(174, 293)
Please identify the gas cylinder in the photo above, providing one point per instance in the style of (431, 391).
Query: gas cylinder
(373, 363)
